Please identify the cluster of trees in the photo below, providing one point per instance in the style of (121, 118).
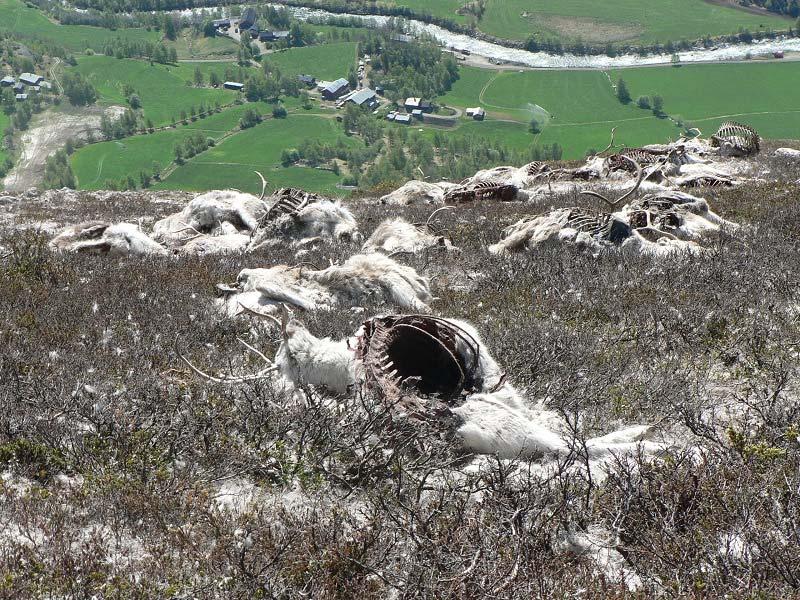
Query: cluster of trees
(125, 48)
(58, 173)
(115, 129)
(250, 118)
(654, 103)
(192, 146)
(784, 7)
(78, 90)
(419, 69)
(270, 84)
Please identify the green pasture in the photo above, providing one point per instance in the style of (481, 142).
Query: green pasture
(766, 93)
(95, 163)
(231, 163)
(24, 21)
(611, 21)
(326, 61)
(577, 109)
(164, 90)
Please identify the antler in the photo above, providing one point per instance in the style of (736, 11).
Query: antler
(434, 213)
(231, 379)
(610, 144)
(263, 185)
(629, 193)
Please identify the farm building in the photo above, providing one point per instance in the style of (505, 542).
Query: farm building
(248, 19)
(335, 89)
(233, 85)
(21, 97)
(31, 79)
(365, 97)
(221, 23)
(391, 116)
(19, 88)
(404, 39)
(405, 119)
(379, 89)
(7, 81)
(253, 31)
(418, 104)
(417, 113)
(307, 80)
(476, 113)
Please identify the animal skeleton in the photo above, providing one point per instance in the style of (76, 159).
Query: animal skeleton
(481, 190)
(736, 139)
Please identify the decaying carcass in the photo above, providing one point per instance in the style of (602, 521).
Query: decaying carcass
(301, 360)
(482, 190)
(374, 278)
(119, 239)
(598, 232)
(362, 279)
(677, 214)
(428, 368)
(418, 192)
(398, 235)
(304, 220)
(229, 215)
(736, 139)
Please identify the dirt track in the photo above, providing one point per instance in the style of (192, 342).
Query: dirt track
(48, 133)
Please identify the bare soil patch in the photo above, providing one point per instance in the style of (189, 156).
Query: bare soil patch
(48, 133)
(589, 30)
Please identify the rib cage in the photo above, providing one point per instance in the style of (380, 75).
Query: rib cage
(481, 190)
(408, 356)
(601, 226)
(290, 201)
(743, 138)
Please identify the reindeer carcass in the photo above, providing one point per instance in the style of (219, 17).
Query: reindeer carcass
(735, 139)
(362, 279)
(418, 192)
(304, 220)
(229, 215)
(120, 239)
(398, 235)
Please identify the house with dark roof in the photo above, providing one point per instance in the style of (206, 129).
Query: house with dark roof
(307, 80)
(253, 31)
(248, 19)
(31, 79)
(220, 23)
(365, 97)
(335, 89)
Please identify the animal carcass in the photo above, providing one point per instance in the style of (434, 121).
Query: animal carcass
(120, 239)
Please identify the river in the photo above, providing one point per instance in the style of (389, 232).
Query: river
(545, 60)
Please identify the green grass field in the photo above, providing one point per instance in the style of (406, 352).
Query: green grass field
(602, 22)
(705, 95)
(163, 89)
(327, 61)
(232, 162)
(96, 163)
(578, 108)
(17, 18)
(191, 47)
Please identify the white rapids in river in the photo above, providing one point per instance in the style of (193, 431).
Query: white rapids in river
(543, 60)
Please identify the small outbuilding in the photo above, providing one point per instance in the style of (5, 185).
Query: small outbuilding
(221, 23)
(476, 113)
(404, 119)
(21, 97)
(7, 81)
(307, 80)
(31, 79)
(233, 85)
